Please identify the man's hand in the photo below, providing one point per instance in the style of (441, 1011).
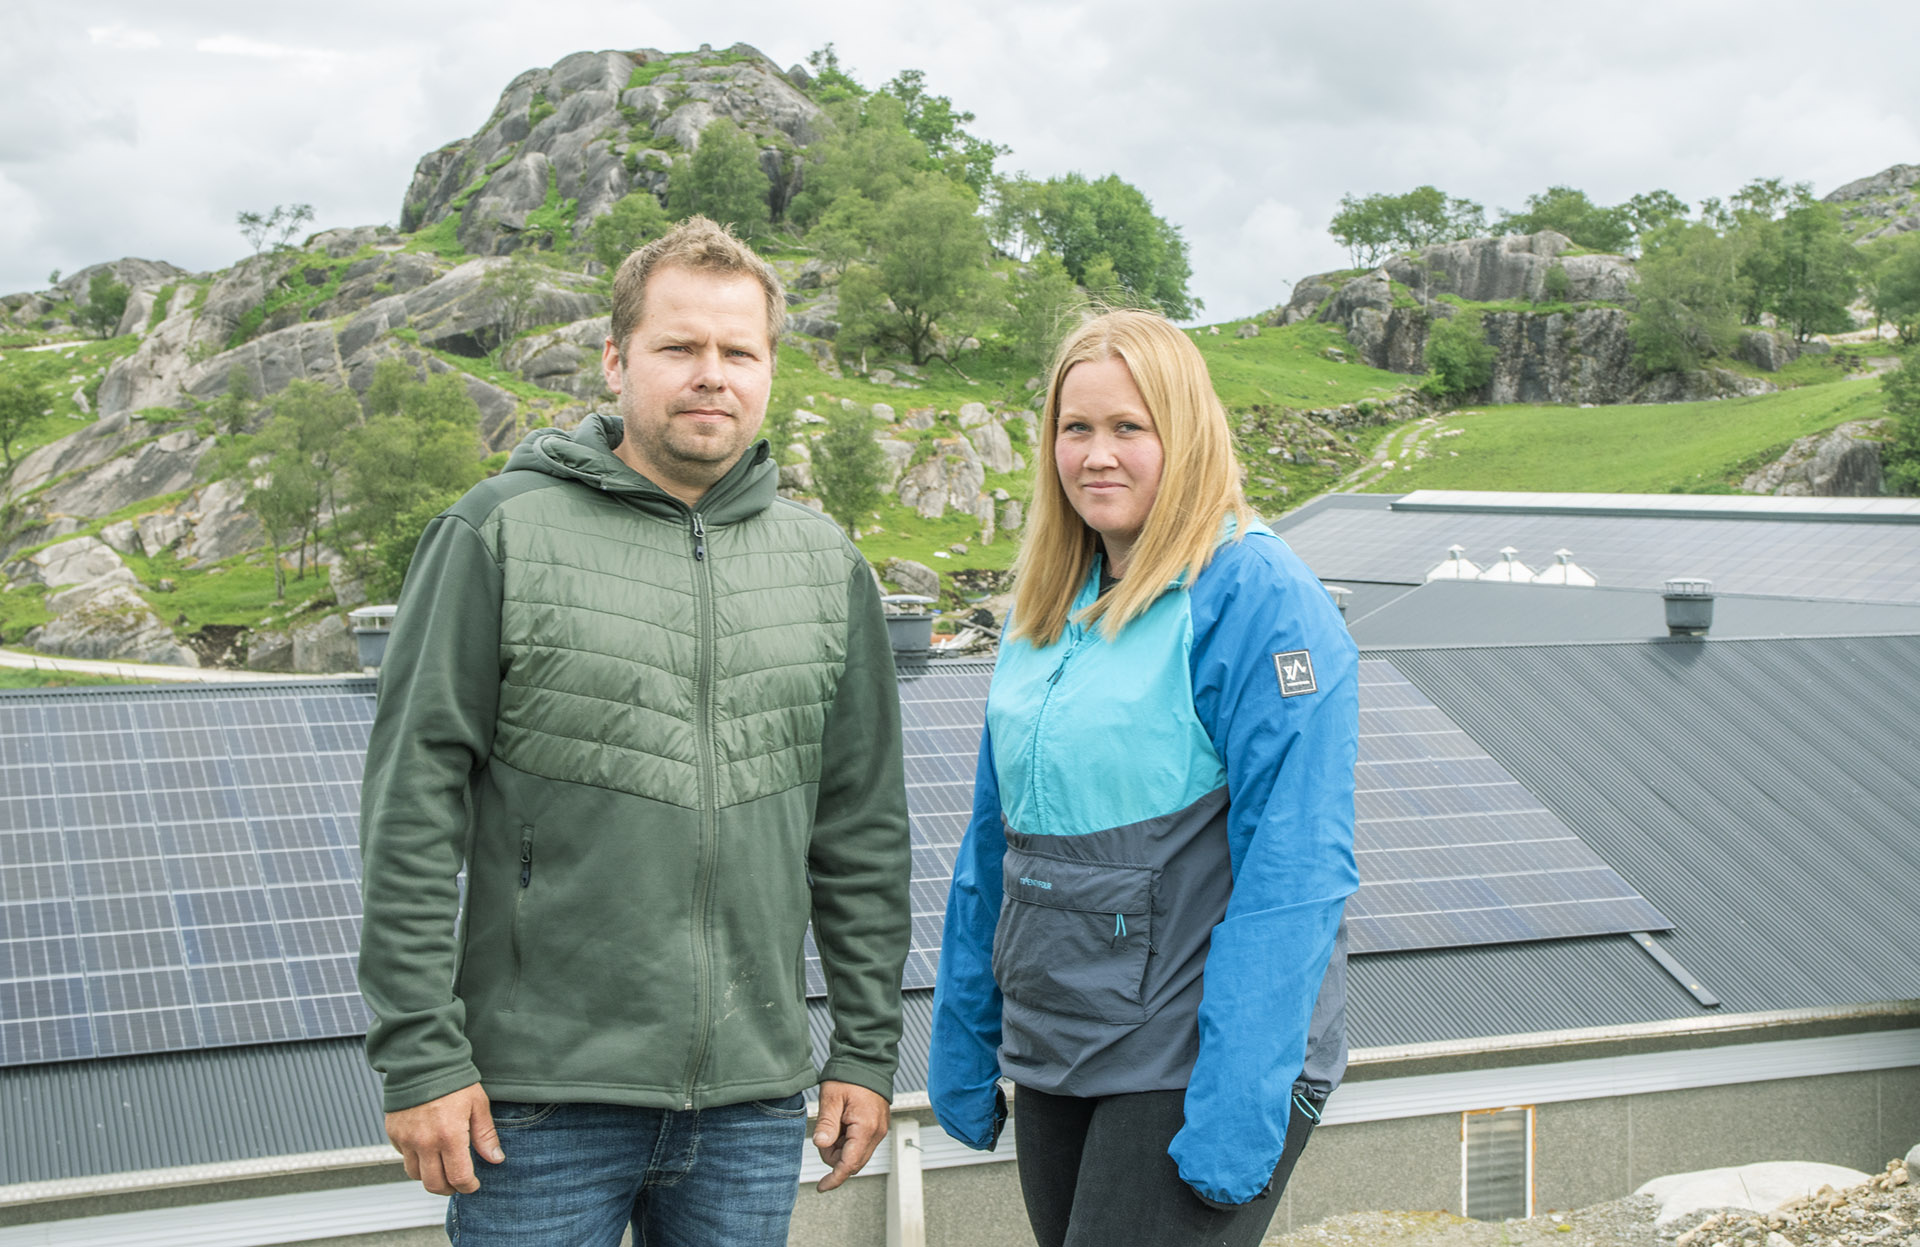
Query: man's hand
(853, 1120)
(433, 1139)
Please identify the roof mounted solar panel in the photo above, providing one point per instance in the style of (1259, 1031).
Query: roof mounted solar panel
(179, 867)
(1453, 850)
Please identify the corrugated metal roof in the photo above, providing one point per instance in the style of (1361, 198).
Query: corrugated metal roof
(1478, 612)
(79, 1118)
(1853, 555)
(1765, 795)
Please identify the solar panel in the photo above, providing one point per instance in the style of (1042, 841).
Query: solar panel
(179, 868)
(942, 709)
(1455, 851)
(1803, 558)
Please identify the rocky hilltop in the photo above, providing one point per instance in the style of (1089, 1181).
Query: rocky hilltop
(569, 141)
(1576, 352)
(1881, 206)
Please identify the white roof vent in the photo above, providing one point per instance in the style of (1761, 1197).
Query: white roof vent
(1509, 568)
(1564, 571)
(1456, 566)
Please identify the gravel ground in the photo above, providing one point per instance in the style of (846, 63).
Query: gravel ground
(1882, 1213)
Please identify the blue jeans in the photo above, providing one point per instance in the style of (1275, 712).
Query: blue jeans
(576, 1174)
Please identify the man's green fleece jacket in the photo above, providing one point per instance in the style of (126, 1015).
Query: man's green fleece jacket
(659, 739)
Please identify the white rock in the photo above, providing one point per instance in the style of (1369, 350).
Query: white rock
(121, 536)
(72, 562)
(802, 416)
(972, 414)
(160, 530)
(994, 447)
(883, 412)
(1760, 1187)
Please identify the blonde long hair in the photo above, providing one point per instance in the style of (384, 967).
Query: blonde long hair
(1199, 482)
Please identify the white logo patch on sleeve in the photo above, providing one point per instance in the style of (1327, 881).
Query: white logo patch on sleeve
(1295, 668)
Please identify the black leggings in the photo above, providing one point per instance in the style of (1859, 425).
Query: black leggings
(1095, 1173)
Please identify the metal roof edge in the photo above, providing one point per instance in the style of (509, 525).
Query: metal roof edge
(195, 1175)
(1667, 506)
(1675, 1028)
(1390, 647)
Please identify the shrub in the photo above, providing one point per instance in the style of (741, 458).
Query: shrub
(1459, 358)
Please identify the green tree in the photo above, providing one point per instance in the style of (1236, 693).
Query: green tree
(1902, 449)
(1081, 220)
(277, 227)
(21, 403)
(1044, 302)
(515, 290)
(866, 151)
(634, 221)
(1376, 226)
(935, 122)
(1650, 210)
(106, 303)
(1567, 211)
(845, 231)
(235, 404)
(831, 83)
(847, 467)
(1459, 358)
(1896, 286)
(1688, 300)
(419, 444)
(290, 469)
(928, 268)
(1807, 274)
(723, 180)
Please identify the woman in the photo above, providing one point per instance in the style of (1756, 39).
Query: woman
(1146, 907)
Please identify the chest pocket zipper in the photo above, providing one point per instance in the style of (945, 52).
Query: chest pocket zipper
(519, 903)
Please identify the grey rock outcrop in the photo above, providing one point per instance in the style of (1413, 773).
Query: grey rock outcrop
(912, 577)
(566, 359)
(67, 563)
(1513, 266)
(270, 651)
(1585, 357)
(163, 466)
(221, 527)
(100, 613)
(326, 645)
(995, 448)
(158, 531)
(1885, 204)
(122, 537)
(577, 131)
(898, 455)
(950, 479)
(1843, 462)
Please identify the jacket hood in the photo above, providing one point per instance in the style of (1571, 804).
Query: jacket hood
(586, 455)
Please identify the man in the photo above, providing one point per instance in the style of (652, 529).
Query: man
(651, 708)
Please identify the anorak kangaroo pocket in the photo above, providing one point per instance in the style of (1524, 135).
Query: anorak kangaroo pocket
(1075, 935)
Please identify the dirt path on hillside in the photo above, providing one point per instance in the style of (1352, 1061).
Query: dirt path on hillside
(1401, 446)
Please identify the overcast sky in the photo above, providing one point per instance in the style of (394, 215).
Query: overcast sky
(141, 128)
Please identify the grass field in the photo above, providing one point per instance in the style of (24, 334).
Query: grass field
(1288, 368)
(59, 372)
(1657, 449)
(18, 678)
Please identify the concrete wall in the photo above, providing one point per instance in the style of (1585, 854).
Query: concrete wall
(1585, 1152)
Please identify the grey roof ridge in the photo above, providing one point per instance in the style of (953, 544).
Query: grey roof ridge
(1672, 1028)
(1397, 646)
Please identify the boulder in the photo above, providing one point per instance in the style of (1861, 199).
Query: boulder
(221, 526)
(796, 477)
(325, 646)
(122, 536)
(1767, 349)
(995, 448)
(160, 530)
(884, 413)
(898, 455)
(1248, 330)
(349, 590)
(912, 577)
(972, 414)
(951, 478)
(1843, 462)
(270, 651)
(1013, 516)
(920, 418)
(86, 448)
(68, 563)
(113, 623)
(566, 359)
(1484, 270)
(1760, 1187)
(73, 597)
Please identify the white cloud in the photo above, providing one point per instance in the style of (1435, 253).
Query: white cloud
(122, 36)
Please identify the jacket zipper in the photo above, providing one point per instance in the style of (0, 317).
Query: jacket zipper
(1077, 635)
(519, 896)
(709, 794)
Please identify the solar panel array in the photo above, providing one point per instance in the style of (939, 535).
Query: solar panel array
(942, 709)
(1805, 558)
(1453, 850)
(178, 868)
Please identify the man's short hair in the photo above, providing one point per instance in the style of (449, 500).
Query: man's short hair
(704, 246)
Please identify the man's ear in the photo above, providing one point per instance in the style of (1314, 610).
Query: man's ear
(610, 366)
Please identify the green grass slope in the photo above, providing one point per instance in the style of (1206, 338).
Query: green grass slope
(1659, 448)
